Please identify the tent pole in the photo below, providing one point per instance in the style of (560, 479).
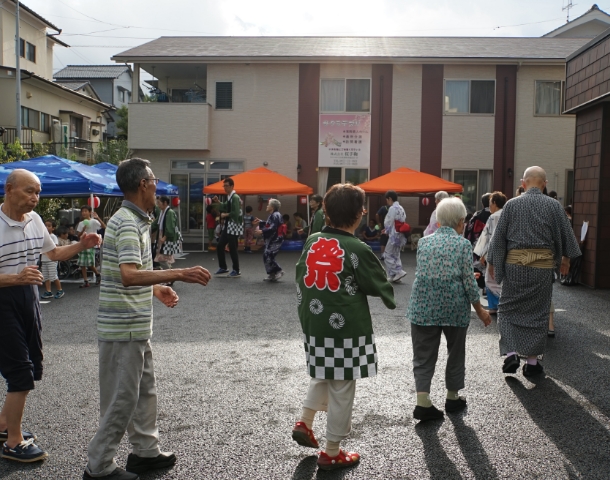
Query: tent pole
(308, 217)
(92, 204)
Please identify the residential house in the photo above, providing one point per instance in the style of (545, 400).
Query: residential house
(73, 121)
(112, 83)
(589, 25)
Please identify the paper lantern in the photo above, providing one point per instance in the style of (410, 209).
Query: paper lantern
(95, 203)
(208, 201)
(175, 201)
(425, 201)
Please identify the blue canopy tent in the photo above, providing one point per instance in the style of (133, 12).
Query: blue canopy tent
(163, 188)
(60, 177)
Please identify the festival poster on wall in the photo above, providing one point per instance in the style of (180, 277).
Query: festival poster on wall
(345, 140)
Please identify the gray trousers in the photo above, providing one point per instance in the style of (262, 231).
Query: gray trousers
(337, 398)
(426, 342)
(128, 403)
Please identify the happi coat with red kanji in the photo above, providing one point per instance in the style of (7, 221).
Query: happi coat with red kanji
(334, 276)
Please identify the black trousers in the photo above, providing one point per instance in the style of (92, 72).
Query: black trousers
(231, 240)
(20, 337)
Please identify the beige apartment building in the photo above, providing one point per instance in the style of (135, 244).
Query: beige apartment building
(476, 111)
(74, 118)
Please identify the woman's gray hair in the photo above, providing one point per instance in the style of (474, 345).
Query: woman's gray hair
(450, 211)
(440, 196)
(275, 203)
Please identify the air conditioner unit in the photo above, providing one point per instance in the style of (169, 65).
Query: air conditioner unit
(95, 131)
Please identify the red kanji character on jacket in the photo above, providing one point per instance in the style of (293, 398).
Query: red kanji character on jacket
(324, 261)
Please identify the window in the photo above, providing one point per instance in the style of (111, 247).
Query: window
(121, 95)
(476, 183)
(470, 96)
(345, 95)
(548, 98)
(27, 50)
(45, 122)
(30, 118)
(30, 52)
(224, 95)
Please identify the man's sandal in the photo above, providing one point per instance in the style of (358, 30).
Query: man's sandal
(304, 436)
(343, 460)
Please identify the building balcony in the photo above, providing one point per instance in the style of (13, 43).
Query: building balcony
(169, 126)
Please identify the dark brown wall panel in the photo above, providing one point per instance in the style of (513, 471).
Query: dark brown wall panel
(309, 115)
(602, 265)
(505, 120)
(588, 75)
(590, 126)
(381, 126)
(431, 128)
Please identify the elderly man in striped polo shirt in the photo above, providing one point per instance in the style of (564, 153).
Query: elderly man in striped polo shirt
(128, 395)
(23, 237)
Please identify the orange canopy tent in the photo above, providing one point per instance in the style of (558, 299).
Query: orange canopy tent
(405, 181)
(261, 181)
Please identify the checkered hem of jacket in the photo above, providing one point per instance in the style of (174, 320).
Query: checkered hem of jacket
(234, 228)
(341, 358)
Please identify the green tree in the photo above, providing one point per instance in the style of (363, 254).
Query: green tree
(123, 122)
(48, 208)
(12, 152)
(112, 151)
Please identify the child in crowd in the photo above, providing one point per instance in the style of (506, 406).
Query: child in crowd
(62, 236)
(286, 219)
(72, 236)
(86, 258)
(248, 229)
(218, 230)
(210, 223)
(371, 232)
(49, 268)
(299, 224)
(334, 275)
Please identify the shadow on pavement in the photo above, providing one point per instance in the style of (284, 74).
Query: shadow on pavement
(439, 464)
(306, 468)
(582, 440)
(472, 449)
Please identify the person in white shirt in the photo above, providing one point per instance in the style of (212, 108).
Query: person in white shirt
(86, 258)
(433, 225)
(23, 237)
(49, 268)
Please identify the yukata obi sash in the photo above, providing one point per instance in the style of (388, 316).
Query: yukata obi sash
(532, 257)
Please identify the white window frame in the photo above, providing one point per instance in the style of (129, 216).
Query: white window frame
(561, 99)
(469, 80)
(345, 94)
(478, 170)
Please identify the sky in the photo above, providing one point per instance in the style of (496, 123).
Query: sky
(97, 30)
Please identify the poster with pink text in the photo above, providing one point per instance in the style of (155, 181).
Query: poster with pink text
(345, 140)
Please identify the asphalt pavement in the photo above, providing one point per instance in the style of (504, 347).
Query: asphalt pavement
(231, 380)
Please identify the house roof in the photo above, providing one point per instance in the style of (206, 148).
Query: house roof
(73, 85)
(33, 13)
(27, 75)
(595, 10)
(180, 49)
(91, 71)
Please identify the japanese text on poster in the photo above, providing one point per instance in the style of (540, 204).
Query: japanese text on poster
(345, 140)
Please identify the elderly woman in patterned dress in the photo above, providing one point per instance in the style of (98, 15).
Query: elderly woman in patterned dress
(273, 232)
(442, 293)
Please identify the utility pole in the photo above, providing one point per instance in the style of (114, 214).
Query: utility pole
(17, 73)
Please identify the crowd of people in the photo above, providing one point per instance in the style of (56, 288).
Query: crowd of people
(514, 247)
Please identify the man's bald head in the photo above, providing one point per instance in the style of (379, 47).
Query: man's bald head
(534, 177)
(19, 176)
(21, 193)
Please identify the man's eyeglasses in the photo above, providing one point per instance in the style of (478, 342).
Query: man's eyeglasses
(155, 180)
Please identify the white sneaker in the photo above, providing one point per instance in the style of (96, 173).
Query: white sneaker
(398, 276)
